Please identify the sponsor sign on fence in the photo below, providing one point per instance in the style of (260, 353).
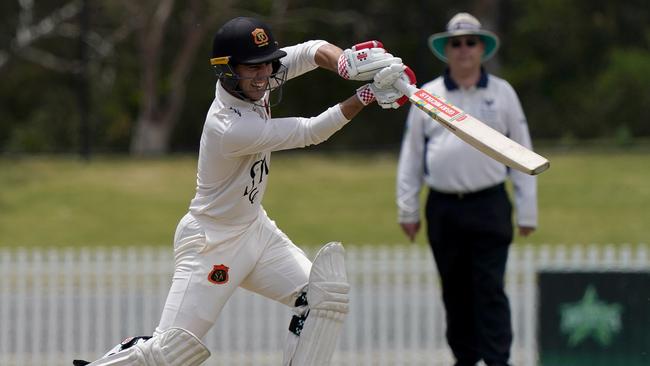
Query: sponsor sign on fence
(594, 318)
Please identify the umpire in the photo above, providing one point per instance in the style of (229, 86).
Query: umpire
(468, 211)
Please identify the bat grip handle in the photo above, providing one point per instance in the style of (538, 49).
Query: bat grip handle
(367, 44)
(404, 87)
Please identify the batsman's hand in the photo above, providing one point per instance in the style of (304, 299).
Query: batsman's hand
(382, 89)
(362, 61)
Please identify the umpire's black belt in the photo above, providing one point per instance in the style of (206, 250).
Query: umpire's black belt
(468, 195)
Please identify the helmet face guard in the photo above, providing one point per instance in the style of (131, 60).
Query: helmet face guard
(246, 41)
(230, 80)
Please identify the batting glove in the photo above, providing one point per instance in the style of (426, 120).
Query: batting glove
(362, 61)
(382, 89)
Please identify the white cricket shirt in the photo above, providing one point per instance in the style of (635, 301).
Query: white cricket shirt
(235, 151)
(434, 156)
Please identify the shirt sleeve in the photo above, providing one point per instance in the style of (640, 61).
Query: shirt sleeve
(300, 58)
(252, 134)
(525, 186)
(410, 168)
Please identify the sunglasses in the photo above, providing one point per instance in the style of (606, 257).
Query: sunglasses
(469, 42)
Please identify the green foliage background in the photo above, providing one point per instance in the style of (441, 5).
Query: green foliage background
(581, 69)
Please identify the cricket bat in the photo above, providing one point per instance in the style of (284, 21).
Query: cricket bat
(474, 132)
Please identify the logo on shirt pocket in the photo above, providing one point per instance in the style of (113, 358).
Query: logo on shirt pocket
(219, 274)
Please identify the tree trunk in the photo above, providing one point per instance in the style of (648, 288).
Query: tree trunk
(157, 119)
(151, 137)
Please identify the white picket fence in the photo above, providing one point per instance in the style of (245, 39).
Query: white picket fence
(60, 304)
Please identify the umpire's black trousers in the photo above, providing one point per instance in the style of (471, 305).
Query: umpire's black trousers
(469, 236)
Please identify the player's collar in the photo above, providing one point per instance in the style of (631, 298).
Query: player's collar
(450, 84)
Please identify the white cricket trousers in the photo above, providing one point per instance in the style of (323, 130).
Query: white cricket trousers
(261, 259)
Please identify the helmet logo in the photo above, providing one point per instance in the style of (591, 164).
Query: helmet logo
(259, 37)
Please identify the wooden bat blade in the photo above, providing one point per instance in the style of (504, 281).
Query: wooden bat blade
(476, 133)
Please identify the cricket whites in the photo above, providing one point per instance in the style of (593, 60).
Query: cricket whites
(474, 132)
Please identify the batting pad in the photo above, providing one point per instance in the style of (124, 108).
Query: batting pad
(328, 304)
(173, 347)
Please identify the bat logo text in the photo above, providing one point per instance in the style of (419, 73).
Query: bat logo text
(437, 103)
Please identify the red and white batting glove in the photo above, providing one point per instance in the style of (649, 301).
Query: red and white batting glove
(385, 80)
(365, 94)
(362, 61)
(382, 89)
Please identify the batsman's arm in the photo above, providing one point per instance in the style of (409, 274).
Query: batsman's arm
(327, 57)
(362, 61)
(359, 62)
(351, 107)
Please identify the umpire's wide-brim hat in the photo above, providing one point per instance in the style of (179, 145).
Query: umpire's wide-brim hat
(463, 24)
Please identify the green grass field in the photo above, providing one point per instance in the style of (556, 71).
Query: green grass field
(584, 198)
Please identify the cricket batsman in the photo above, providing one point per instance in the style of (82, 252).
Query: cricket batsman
(226, 240)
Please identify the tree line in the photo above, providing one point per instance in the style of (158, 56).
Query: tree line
(134, 77)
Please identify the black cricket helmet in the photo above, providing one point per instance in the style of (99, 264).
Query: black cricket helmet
(246, 41)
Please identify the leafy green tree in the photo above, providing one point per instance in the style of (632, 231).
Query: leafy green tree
(620, 95)
(558, 53)
(580, 66)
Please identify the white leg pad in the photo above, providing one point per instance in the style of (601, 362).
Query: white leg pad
(327, 306)
(173, 347)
